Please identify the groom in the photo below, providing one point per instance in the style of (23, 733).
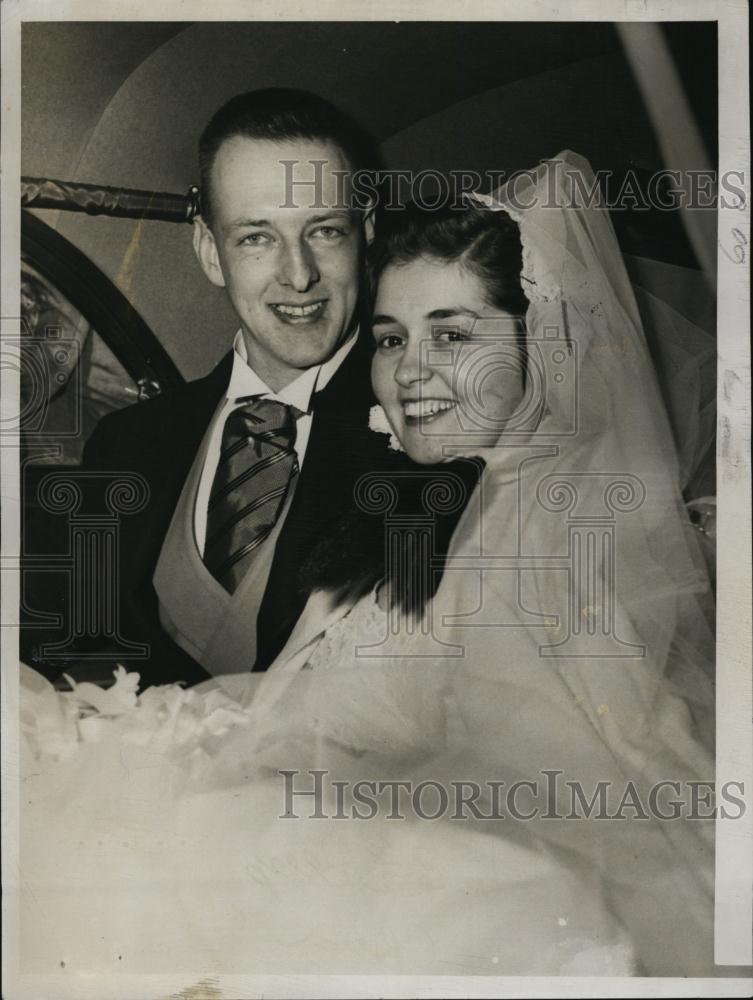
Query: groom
(248, 466)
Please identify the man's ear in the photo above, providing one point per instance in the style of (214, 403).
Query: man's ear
(368, 223)
(205, 249)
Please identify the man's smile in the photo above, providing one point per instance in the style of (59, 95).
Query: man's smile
(308, 312)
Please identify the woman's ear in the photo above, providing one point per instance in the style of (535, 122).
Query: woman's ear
(205, 248)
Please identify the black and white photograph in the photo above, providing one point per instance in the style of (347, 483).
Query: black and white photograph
(376, 529)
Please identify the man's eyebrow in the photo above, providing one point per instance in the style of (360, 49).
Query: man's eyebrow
(244, 223)
(452, 311)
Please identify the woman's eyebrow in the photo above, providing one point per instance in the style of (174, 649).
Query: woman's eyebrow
(451, 311)
(334, 213)
(380, 318)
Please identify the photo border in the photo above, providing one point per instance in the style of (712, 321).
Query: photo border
(734, 753)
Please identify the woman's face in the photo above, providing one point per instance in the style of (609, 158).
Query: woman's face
(447, 368)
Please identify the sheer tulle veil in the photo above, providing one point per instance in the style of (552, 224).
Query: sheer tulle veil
(575, 586)
(592, 551)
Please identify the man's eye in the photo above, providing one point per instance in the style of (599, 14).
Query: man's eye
(255, 239)
(389, 340)
(450, 334)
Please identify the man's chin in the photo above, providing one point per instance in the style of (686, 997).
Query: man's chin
(296, 348)
(315, 354)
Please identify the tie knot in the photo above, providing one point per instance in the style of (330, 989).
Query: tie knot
(265, 418)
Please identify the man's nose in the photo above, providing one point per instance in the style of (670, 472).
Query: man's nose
(298, 268)
(412, 366)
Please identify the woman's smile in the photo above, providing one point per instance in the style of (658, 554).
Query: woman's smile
(418, 411)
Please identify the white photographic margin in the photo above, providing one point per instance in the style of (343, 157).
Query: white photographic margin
(734, 706)
(734, 843)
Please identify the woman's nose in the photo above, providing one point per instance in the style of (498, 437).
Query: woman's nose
(298, 268)
(412, 366)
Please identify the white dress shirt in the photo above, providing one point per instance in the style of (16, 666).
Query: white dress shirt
(244, 382)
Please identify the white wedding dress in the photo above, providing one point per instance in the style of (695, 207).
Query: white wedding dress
(144, 858)
(153, 835)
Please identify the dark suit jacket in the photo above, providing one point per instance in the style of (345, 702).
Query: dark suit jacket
(158, 439)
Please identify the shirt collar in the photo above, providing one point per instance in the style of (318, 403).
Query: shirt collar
(245, 382)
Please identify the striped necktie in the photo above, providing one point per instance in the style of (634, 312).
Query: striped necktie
(256, 466)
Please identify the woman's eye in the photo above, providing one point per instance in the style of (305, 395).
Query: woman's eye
(329, 232)
(389, 340)
(450, 334)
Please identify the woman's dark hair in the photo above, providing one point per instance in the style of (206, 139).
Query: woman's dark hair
(486, 243)
(279, 114)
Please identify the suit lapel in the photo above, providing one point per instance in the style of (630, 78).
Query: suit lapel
(163, 446)
(181, 435)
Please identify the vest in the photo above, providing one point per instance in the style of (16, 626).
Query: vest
(218, 629)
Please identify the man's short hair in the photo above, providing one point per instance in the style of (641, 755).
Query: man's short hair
(279, 114)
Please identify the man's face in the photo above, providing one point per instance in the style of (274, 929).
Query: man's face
(287, 254)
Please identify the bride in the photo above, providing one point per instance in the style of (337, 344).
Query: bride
(530, 697)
